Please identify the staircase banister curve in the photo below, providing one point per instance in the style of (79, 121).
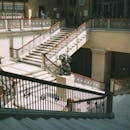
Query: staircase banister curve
(88, 78)
(45, 55)
(82, 25)
(23, 77)
(90, 99)
(30, 93)
(69, 35)
(28, 43)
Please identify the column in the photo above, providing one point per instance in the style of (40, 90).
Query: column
(98, 64)
(125, 8)
(65, 80)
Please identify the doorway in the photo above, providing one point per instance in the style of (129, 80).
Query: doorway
(82, 61)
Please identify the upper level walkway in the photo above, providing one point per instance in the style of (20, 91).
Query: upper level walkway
(7, 25)
(109, 24)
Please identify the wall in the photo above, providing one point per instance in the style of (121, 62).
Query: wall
(118, 41)
(101, 42)
(34, 5)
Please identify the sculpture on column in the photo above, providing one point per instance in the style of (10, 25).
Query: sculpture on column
(65, 68)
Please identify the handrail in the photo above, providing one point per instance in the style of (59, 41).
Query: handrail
(36, 94)
(94, 83)
(24, 19)
(65, 38)
(47, 63)
(120, 85)
(89, 99)
(26, 78)
(62, 42)
(89, 81)
(42, 33)
(50, 60)
(41, 38)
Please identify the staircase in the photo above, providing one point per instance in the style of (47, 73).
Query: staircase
(41, 74)
(49, 45)
(35, 58)
(120, 122)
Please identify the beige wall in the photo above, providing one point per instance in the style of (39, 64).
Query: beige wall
(34, 6)
(118, 41)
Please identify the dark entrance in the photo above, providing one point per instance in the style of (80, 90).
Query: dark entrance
(120, 65)
(81, 62)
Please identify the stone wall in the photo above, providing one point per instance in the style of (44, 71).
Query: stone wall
(109, 40)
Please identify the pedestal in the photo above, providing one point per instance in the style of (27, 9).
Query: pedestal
(65, 80)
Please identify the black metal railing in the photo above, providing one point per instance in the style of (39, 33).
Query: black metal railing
(21, 92)
(120, 23)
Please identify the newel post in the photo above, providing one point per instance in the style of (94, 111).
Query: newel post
(109, 104)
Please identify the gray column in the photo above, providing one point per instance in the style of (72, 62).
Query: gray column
(125, 8)
(98, 64)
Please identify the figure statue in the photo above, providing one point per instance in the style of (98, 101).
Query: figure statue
(65, 68)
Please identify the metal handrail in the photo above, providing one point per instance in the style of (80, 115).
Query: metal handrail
(64, 42)
(36, 94)
(110, 23)
(84, 80)
(40, 38)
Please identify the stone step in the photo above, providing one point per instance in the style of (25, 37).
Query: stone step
(32, 62)
(34, 56)
(33, 59)
(50, 45)
(47, 78)
(37, 72)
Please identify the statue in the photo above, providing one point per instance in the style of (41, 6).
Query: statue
(65, 68)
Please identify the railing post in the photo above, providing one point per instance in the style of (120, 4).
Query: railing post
(21, 24)
(108, 23)
(112, 85)
(109, 102)
(6, 24)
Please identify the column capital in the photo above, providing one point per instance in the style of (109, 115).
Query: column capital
(98, 51)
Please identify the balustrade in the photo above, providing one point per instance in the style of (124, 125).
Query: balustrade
(24, 24)
(18, 54)
(120, 85)
(21, 92)
(109, 23)
(86, 81)
(69, 44)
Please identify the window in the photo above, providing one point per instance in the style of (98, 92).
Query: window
(81, 2)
